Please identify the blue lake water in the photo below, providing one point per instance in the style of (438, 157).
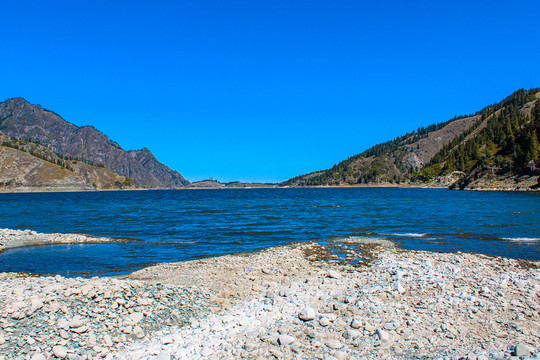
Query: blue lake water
(178, 225)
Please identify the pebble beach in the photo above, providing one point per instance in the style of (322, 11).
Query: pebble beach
(354, 298)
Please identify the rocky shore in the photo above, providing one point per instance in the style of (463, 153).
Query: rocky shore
(351, 298)
(12, 238)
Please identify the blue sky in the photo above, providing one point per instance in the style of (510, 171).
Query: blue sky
(265, 90)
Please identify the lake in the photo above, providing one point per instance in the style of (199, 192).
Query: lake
(179, 225)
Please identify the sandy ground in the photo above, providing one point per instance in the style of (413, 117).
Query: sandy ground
(353, 298)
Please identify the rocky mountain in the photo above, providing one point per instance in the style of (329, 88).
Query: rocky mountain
(23, 120)
(495, 148)
(30, 166)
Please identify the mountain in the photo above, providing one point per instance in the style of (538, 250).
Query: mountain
(22, 120)
(26, 165)
(495, 148)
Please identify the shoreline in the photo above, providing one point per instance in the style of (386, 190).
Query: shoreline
(359, 186)
(12, 238)
(349, 298)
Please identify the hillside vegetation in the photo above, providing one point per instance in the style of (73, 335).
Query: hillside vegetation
(28, 165)
(499, 144)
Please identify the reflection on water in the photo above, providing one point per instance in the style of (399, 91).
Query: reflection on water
(183, 225)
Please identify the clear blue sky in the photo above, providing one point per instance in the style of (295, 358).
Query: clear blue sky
(265, 90)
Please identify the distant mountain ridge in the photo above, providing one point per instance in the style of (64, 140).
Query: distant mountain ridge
(496, 148)
(22, 120)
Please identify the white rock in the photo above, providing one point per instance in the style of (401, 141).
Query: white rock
(307, 314)
(35, 303)
(356, 324)
(63, 323)
(164, 355)
(38, 356)
(167, 340)
(60, 351)
(251, 345)
(107, 340)
(334, 344)
(18, 315)
(333, 274)
(81, 329)
(63, 334)
(138, 332)
(383, 335)
(77, 322)
(369, 328)
(136, 317)
(285, 339)
(351, 334)
(324, 321)
(522, 350)
(397, 287)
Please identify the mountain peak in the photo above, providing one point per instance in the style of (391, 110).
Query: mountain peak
(24, 120)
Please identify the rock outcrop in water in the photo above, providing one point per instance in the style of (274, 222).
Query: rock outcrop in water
(23, 120)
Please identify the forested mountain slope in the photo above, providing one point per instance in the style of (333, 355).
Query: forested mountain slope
(501, 139)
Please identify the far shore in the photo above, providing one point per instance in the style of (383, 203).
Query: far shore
(403, 186)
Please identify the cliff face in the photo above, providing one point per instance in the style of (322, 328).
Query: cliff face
(20, 119)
